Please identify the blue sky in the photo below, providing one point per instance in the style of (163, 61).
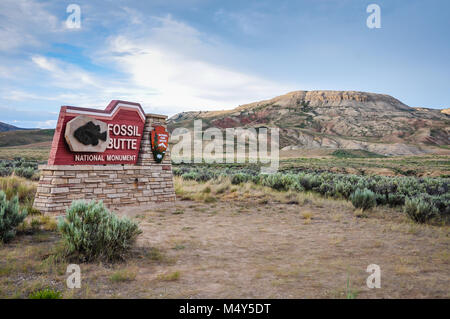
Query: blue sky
(174, 56)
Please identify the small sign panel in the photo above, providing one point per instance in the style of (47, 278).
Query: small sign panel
(160, 142)
(95, 137)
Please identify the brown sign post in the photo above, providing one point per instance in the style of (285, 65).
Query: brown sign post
(105, 155)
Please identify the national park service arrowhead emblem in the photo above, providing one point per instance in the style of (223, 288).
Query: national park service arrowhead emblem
(160, 142)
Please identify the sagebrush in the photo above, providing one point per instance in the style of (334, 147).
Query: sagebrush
(91, 232)
(392, 191)
(363, 198)
(10, 217)
(419, 210)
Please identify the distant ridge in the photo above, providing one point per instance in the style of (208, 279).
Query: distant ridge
(8, 127)
(377, 123)
(19, 137)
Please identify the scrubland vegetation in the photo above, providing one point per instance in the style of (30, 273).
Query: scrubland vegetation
(91, 232)
(19, 167)
(88, 233)
(298, 233)
(427, 198)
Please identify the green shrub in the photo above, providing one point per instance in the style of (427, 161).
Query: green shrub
(19, 167)
(5, 171)
(280, 182)
(45, 294)
(380, 199)
(326, 189)
(91, 232)
(189, 176)
(396, 200)
(390, 191)
(10, 217)
(296, 186)
(363, 198)
(26, 172)
(239, 178)
(309, 181)
(442, 203)
(343, 189)
(419, 210)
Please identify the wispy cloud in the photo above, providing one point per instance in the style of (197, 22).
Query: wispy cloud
(165, 64)
(65, 75)
(170, 61)
(169, 67)
(24, 22)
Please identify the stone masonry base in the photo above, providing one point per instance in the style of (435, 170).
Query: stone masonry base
(115, 185)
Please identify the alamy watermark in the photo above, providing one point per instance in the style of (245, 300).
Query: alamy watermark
(73, 21)
(230, 145)
(374, 19)
(74, 279)
(374, 279)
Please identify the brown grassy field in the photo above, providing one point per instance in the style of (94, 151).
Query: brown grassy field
(37, 151)
(433, 165)
(24, 137)
(246, 241)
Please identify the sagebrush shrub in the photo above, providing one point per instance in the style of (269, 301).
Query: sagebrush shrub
(419, 210)
(396, 200)
(380, 199)
(10, 217)
(190, 176)
(91, 232)
(272, 181)
(280, 182)
(390, 191)
(26, 172)
(363, 198)
(309, 181)
(343, 189)
(239, 178)
(5, 171)
(326, 189)
(442, 203)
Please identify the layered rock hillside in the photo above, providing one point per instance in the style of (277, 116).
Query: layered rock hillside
(336, 119)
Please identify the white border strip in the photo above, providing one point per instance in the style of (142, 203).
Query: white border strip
(116, 109)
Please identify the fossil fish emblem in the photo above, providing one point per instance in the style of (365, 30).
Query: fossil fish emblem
(89, 134)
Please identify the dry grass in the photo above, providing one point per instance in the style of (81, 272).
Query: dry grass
(125, 274)
(37, 152)
(251, 242)
(17, 186)
(174, 276)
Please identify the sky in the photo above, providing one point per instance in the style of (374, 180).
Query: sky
(188, 55)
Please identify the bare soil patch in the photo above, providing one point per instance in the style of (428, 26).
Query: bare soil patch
(246, 250)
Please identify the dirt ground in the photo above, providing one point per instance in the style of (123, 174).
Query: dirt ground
(232, 250)
(250, 247)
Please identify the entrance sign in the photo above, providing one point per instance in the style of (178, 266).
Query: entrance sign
(93, 137)
(160, 142)
(121, 134)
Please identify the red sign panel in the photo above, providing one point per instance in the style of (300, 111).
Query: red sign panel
(86, 136)
(160, 142)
